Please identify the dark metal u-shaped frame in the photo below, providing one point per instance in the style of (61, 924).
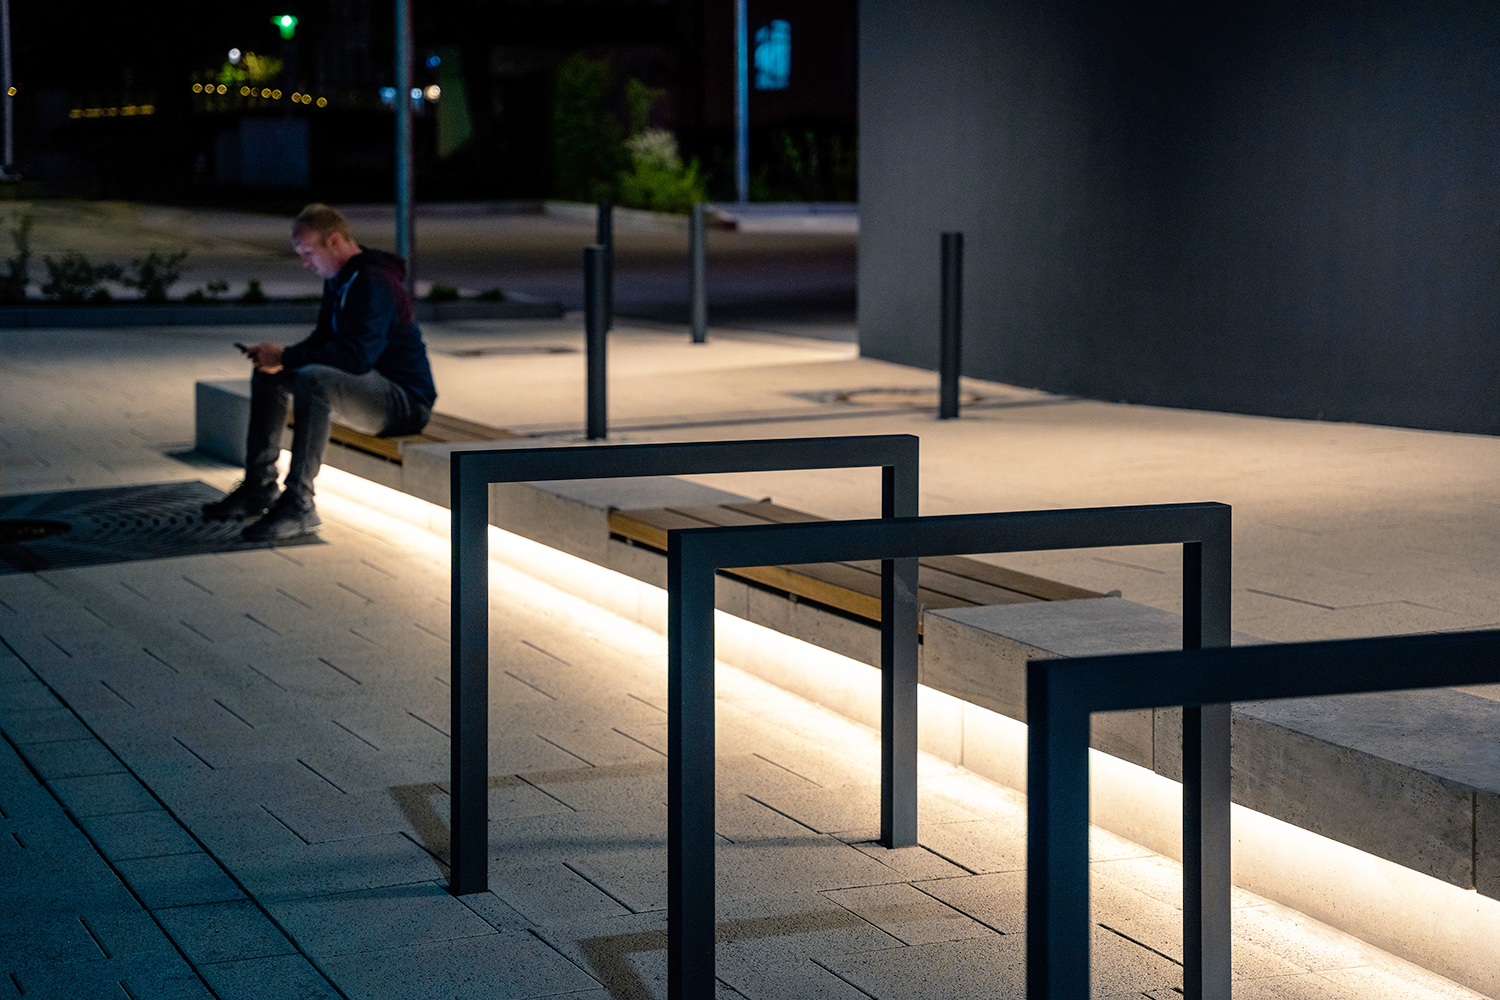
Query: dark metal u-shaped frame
(472, 472)
(695, 555)
(1061, 694)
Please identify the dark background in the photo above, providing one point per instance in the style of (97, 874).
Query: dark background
(1275, 208)
(506, 52)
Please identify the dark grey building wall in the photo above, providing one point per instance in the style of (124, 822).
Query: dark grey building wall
(1286, 209)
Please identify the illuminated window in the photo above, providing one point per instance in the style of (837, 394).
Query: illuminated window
(773, 56)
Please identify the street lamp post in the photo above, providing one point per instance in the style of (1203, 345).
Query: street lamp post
(405, 235)
(7, 93)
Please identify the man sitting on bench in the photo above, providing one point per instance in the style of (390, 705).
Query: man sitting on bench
(364, 365)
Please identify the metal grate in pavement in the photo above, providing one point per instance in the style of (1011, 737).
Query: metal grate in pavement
(120, 524)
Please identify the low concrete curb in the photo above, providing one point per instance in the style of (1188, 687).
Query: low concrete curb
(515, 306)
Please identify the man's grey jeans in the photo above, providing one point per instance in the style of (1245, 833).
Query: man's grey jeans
(319, 395)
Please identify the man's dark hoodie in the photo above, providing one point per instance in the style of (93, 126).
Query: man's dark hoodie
(366, 322)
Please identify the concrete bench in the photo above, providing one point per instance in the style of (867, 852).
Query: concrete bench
(1409, 776)
(222, 412)
(1412, 777)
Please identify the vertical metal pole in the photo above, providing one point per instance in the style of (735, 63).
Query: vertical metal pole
(698, 261)
(596, 325)
(1206, 836)
(469, 717)
(690, 776)
(7, 80)
(604, 235)
(1057, 845)
(950, 345)
(405, 230)
(742, 102)
(898, 668)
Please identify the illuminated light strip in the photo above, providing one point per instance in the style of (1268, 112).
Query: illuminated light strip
(1443, 928)
(128, 111)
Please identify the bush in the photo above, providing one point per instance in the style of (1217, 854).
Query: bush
(254, 294)
(153, 274)
(442, 293)
(492, 295)
(586, 151)
(657, 179)
(18, 268)
(74, 279)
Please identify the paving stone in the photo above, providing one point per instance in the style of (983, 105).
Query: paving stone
(378, 919)
(223, 931)
(273, 978)
(178, 880)
(551, 894)
(804, 979)
(166, 976)
(495, 911)
(908, 914)
(740, 818)
(798, 864)
(335, 866)
(493, 966)
(71, 759)
(125, 836)
(103, 794)
(998, 901)
(591, 788)
(992, 967)
(27, 695)
(915, 862)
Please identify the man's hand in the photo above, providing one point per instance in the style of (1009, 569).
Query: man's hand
(267, 357)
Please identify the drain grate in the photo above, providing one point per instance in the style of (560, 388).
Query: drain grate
(120, 524)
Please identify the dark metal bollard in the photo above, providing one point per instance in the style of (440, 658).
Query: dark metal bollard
(596, 325)
(698, 259)
(951, 336)
(604, 235)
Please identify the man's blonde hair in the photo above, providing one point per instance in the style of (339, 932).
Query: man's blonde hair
(323, 220)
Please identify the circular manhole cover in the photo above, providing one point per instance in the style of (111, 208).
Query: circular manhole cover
(30, 531)
(916, 399)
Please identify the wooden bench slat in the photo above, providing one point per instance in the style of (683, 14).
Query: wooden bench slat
(1009, 579)
(768, 511)
(441, 428)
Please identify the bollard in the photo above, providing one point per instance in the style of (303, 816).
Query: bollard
(604, 235)
(596, 325)
(951, 332)
(698, 258)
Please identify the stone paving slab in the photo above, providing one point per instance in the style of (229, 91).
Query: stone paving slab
(287, 710)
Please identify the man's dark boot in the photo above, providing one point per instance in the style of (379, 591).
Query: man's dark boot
(245, 500)
(291, 516)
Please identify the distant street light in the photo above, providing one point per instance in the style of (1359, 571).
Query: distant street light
(234, 57)
(287, 23)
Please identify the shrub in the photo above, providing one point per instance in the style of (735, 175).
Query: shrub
(492, 295)
(657, 179)
(195, 297)
(74, 279)
(442, 293)
(154, 273)
(586, 151)
(18, 268)
(254, 294)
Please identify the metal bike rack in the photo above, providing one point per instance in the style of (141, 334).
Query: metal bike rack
(472, 472)
(1060, 695)
(695, 555)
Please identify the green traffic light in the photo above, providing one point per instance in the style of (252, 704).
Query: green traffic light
(287, 23)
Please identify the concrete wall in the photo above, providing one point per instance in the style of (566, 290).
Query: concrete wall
(1277, 208)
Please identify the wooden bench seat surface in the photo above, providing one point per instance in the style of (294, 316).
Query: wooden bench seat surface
(852, 587)
(442, 428)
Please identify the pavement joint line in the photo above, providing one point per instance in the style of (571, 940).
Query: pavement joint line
(234, 713)
(330, 665)
(321, 775)
(345, 586)
(261, 623)
(521, 680)
(295, 599)
(853, 986)
(781, 812)
(195, 753)
(424, 722)
(539, 649)
(290, 829)
(1142, 944)
(264, 676)
(111, 864)
(158, 659)
(351, 732)
(572, 868)
(185, 625)
(786, 769)
(116, 693)
(616, 729)
(430, 632)
(565, 750)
